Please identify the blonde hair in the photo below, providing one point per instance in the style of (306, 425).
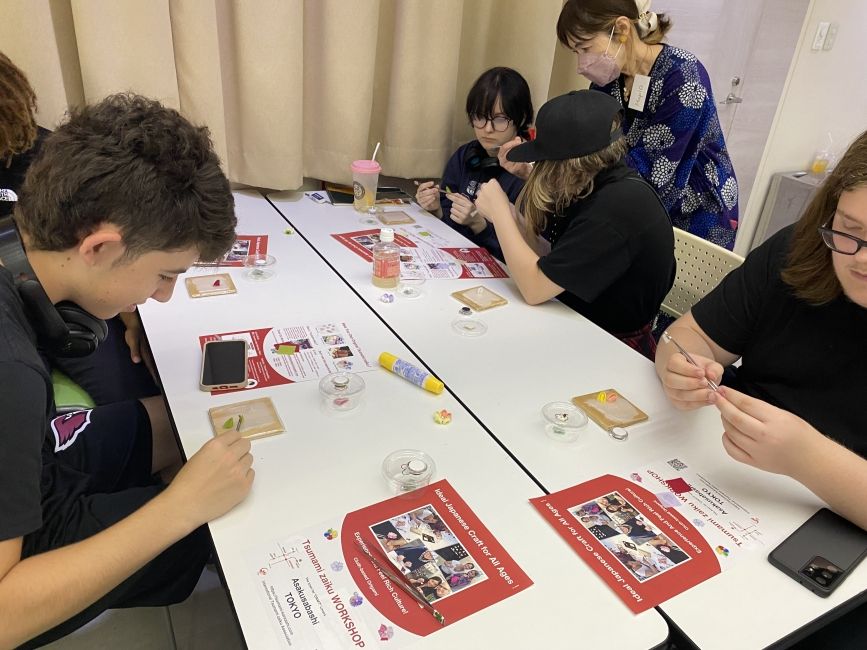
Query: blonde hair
(555, 184)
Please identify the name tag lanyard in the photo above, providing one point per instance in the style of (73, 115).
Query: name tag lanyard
(638, 95)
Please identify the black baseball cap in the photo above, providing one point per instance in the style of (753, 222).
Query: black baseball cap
(570, 126)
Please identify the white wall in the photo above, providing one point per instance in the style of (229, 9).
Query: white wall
(825, 91)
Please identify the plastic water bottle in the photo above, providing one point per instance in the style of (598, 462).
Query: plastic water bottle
(386, 260)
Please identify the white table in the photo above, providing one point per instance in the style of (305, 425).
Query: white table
(532, 355)
(291, 490)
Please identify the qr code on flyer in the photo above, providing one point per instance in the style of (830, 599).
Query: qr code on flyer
(676, 464)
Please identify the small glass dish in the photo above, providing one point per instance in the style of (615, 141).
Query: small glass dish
(259, 266)
(341, 391)
(410, 288)
(406, 470)
(369, 219)
(563, 420)
(469, 326)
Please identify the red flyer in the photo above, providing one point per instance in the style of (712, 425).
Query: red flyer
(430, 536)
(424, 257)
(651, 545)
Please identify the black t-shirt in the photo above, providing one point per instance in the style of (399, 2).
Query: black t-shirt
(809, 360)
(35, 489)
(25, 404)
(613, 252)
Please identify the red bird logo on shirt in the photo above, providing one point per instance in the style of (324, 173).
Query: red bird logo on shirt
(67, 427)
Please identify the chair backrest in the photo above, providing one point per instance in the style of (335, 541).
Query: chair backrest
(700, 267)
(69, 396)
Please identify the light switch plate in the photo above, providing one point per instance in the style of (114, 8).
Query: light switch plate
(821, 35)
(831, 37)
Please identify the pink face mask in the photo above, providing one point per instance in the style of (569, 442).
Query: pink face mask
(601, 69)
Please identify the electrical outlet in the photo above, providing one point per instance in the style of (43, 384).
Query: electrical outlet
(821, 35)
(830, 37)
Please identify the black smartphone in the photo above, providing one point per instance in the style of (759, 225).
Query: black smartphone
(822, 552)
(224, 365)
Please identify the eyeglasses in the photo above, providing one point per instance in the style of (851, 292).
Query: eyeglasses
(498, 123)
(841, 242)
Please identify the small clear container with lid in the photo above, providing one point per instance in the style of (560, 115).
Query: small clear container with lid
(341, 391)
(563, 420)
(405, 470)
(259, 266)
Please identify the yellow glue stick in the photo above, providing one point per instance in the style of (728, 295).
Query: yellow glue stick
(410, 372)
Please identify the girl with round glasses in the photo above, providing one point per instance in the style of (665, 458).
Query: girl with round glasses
(795, 313)
(499, 109)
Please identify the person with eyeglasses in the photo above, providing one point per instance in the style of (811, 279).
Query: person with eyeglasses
(499, 109)
(795, 313)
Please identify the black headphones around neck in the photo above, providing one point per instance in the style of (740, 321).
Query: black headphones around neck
(477, 159)
(64, 329)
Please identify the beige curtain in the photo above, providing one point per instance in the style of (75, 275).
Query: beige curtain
(292, 88)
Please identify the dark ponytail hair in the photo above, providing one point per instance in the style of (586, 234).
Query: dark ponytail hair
(580, 20)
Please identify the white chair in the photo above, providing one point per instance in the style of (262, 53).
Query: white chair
(700, 267)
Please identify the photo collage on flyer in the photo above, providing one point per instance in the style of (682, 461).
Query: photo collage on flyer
(425, 549)
(640, 546)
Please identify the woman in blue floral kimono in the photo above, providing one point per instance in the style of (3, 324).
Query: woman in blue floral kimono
(671, 122)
